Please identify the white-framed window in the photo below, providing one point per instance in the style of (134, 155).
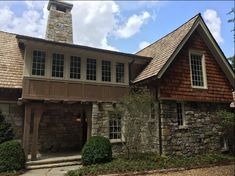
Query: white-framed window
(106, 71)
(115, 126)
(120, 72)
(197, 70)
(91, 69)
(180, 114)
(58, 65)
(75, 67)
(38, 63)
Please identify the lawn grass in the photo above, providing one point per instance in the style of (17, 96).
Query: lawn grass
(146, 162)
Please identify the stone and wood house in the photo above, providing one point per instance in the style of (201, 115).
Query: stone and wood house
(57, 94)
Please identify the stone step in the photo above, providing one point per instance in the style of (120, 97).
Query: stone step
(44, 166)
(54, 160)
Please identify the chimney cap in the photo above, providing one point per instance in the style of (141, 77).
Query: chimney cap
(59, 3)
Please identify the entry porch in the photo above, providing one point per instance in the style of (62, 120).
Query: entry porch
(55, 127)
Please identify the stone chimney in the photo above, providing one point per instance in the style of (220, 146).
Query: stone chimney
(59, 24)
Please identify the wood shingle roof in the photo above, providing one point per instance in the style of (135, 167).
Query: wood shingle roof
(11, 61)
(162, 50)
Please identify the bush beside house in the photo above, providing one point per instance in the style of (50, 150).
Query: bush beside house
(12, 157)
(97, 150)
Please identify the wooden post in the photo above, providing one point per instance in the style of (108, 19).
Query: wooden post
(37, 117)
(89, 126)
(27, 119)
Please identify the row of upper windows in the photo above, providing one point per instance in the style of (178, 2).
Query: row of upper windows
(39, 61)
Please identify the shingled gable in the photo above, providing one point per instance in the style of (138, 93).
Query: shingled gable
(165, 49)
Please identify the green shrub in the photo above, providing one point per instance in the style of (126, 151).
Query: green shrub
(97, 150)
(6, 131)
(12, 157)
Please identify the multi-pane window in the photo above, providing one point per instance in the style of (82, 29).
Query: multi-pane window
(120, 73)
(75, 67)
(106, 71)
(197, 70)
(180, 114)
(38, 63)
(58, 65)
(91, 69)
(115, 125)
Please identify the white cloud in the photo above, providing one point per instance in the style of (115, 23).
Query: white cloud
(143, 44)
(6, 16)
(133, 25)
(213, 22)
(93, 22)
(31, 22)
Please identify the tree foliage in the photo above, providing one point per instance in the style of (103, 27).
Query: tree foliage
(136, 111)
(6, 131)
(227, 122)
(232, 20)
(232, 61)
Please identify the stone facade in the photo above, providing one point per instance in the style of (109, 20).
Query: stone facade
(201, 134)
(14, 114)
(100, 126)
(61, 128)
(59, 24)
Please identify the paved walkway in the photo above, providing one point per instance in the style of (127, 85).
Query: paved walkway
(59, 171)
(211, 171)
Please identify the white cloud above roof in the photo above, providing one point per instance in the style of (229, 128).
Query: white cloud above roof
(213, 22)
(143, 44)
(133, 25)
(93, 22)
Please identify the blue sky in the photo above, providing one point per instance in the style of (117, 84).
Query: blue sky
(125, 26)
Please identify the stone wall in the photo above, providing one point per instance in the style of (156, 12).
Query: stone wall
(100, 126)
(14, 114)
(60, 130)
(201, 133)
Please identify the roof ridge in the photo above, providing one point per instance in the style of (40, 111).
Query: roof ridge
(197, 15)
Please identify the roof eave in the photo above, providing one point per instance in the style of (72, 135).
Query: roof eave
(23, 38)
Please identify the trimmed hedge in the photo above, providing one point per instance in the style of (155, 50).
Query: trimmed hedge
(12, 157)
(6, 131)
(97, 150)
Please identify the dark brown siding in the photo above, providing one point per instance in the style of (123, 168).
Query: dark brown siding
(9, 94)
(176, 82)
(67, 91)
(135, 70)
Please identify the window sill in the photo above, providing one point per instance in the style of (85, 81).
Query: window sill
(184, 127)
(196, 87)
(115, 141)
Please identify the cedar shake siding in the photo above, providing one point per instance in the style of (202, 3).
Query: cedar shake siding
(176, 82)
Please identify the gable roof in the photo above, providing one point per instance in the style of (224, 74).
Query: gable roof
(165, 49)
(11, 61)
(162, 49)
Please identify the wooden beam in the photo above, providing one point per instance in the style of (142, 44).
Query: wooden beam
(89, 127)
(37, 117)
(27, 120)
